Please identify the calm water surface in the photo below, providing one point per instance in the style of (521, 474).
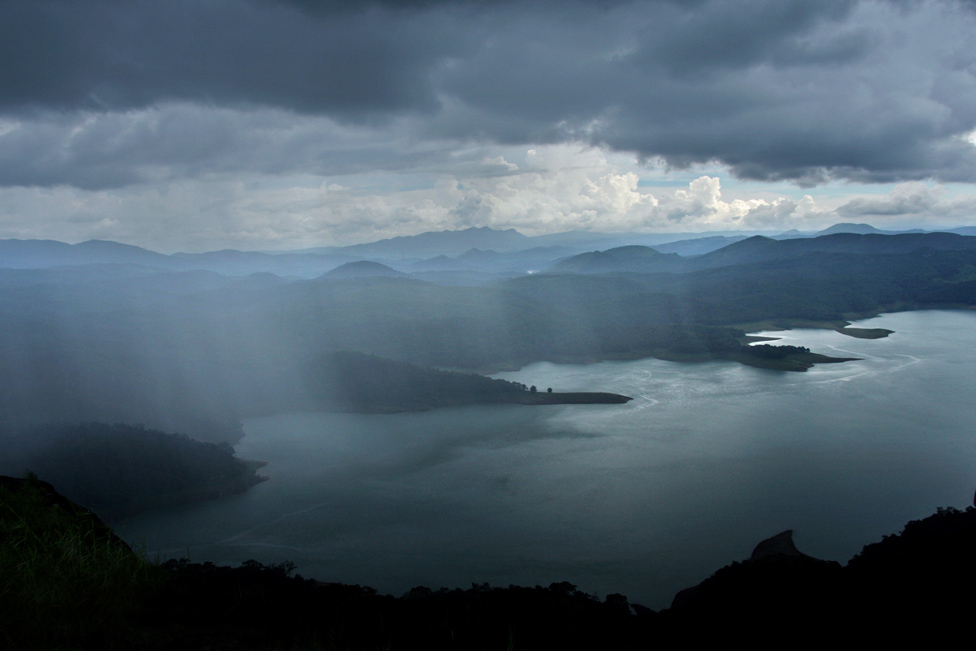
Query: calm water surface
(642, 499)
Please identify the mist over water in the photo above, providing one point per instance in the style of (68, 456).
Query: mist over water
(643, 499)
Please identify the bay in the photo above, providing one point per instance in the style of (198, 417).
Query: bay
(642, 499)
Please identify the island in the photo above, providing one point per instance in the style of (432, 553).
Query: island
(783, 358)
(777, 358)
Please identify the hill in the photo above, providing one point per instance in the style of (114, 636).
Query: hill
(43, 254)
(764, 249)
(756, 249)
(70, 583)
(698, 245)
(36, 254)
(449, 243)
(641, 259)
(119, 470)
(846, 227)
(364, 269)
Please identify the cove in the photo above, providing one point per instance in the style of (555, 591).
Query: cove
(643, 499)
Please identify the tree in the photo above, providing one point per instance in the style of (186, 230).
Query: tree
(532, 389)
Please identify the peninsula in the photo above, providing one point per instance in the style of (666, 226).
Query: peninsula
(356, 382)
(568, 398)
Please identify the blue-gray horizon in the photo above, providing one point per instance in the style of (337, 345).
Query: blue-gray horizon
(283, 124)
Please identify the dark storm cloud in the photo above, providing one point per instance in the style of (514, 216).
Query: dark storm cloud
(735, 35)
(112, 55)
(100, 151)
(806, 91)
(798, 90)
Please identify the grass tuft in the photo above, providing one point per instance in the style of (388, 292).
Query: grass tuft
(68, 581)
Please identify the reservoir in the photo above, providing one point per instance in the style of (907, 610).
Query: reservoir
(642, 499)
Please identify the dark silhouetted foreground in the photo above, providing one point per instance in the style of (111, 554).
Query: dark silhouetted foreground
(70, 583)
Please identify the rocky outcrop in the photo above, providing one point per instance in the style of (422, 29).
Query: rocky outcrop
(780, 544)
(777, 578)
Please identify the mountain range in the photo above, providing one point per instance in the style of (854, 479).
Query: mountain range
(470, 256)
(196, 351)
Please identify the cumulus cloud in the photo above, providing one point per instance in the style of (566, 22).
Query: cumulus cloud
(551, 188)
(701, 207)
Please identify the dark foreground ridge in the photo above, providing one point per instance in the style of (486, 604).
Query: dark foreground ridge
(69, 582)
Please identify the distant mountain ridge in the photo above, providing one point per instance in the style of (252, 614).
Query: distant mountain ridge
(34, 254)
(364, 269)
(42, 254)
(859, 229)
(759, 249)
(479, 254)
(846, 227)
(623, 258)
(449, 243)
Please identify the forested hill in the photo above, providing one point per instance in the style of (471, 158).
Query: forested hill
(196, 352)
(642, 259)
(70, 583)
(350, 381)
(119, 470)
(622, 258)
(761, 249)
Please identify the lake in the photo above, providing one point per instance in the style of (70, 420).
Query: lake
(642, 499)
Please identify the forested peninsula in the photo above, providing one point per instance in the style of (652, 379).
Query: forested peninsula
(120, 470)
(356, 382)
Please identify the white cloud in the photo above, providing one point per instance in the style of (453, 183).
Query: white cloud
(701, 207)
(545, 189)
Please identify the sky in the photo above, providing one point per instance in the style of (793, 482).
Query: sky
(193, 125)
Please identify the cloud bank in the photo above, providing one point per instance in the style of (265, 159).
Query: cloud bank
(144, 98)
